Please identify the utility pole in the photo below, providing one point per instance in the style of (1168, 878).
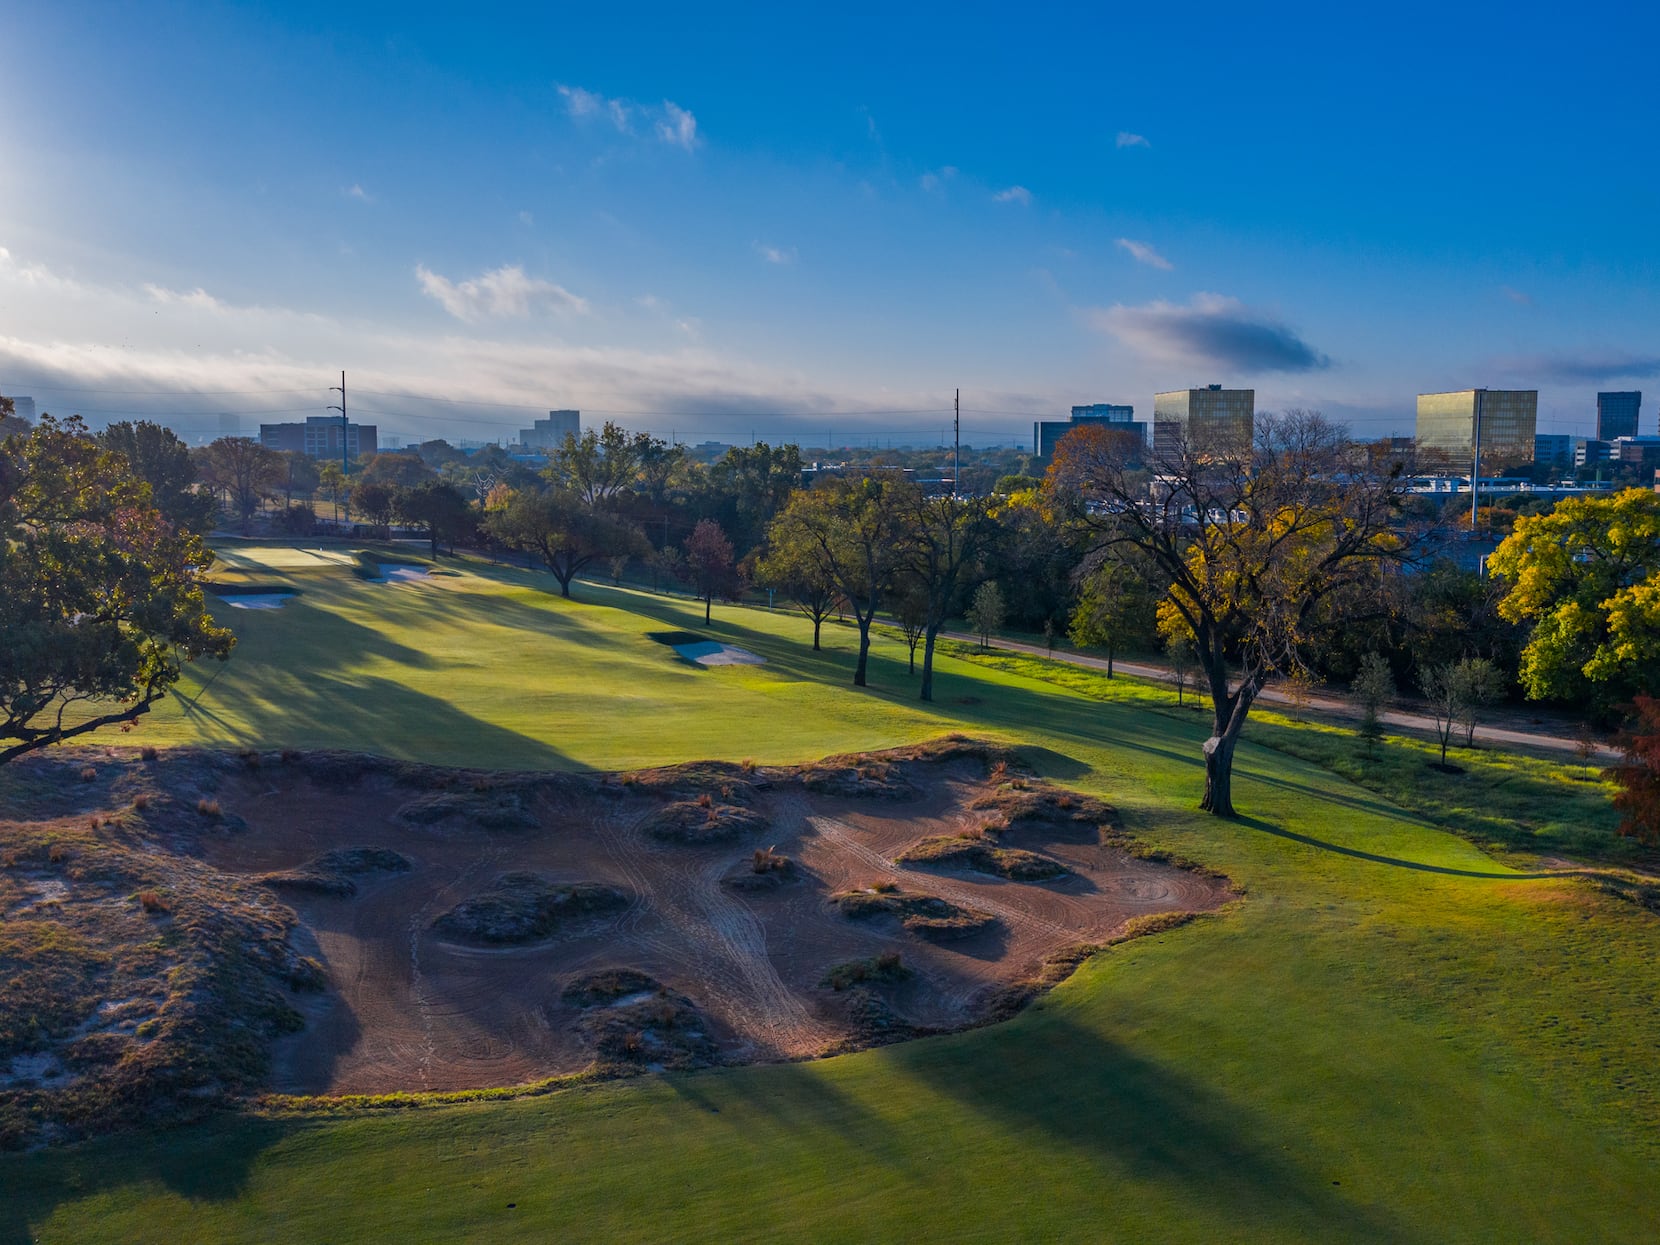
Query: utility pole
(345, 458)
(957, 446)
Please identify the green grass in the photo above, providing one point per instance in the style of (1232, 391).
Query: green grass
(1393, 1036)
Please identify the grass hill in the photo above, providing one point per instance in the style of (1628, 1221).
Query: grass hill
(1394, 1036)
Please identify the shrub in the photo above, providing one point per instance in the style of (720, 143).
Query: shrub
(89, 774)
(766, 860)
(153, 903)
(705, 800)
(147, 752)
(140, 803)
(207, 807)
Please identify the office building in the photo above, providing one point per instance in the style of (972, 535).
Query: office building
(1555, 450)
(1617, 414)
(1641, 451)
(1505, 420)
(1047, 433)
(25, 408)
(1591, 452)
(319, 437)
(1208, 418)
(550, 433)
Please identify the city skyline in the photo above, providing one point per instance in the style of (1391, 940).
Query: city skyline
(704, 232)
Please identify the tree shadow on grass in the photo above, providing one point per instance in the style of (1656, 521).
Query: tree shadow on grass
(1395, 862)
(208, 1162)
(1080, 1087)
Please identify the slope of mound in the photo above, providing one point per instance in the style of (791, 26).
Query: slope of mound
(520, 907)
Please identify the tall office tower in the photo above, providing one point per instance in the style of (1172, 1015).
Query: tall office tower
(1617, 413)
(1505, 420)
(1047, 433)
(1212, 417)
(550, 433)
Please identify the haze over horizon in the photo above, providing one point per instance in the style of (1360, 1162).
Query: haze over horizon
(780, 224)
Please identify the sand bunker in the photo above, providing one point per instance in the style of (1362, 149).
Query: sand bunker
(401, 573)
(433, 929)
(256, 600)
(702, 651)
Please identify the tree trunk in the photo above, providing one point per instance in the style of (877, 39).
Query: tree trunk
(864, 647)
(1109, 660)
(708, 604)
(928, 661)
(817, 623)
(1218, 799)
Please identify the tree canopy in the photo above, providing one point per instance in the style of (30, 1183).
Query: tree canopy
(1587, 577)
(100, 596)
(163, 462)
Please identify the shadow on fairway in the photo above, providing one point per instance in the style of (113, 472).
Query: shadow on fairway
(1396, 863)
(199, 1162)
(1153, 1124)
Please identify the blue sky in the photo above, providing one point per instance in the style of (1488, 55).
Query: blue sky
(775, 220)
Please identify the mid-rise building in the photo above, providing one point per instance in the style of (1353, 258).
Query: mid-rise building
(1555, 449)
(1047, 433)
(1617, 414)
(1642, 451)
(320, 436)
(550, 433)
(1590, 452)
(1504, 421)
(1208, 418)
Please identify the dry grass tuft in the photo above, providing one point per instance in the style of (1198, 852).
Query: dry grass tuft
(207, 807)
(147, 753)
(153, 903)
(89, 774)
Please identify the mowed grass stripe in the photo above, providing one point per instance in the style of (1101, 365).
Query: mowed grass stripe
(1359, 1050)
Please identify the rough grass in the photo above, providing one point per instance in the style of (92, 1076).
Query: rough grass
(878, 969)
(925, 915)
(522, 907)
(1394, 1037)
(336, 872)
(974, 851)
(693, 822)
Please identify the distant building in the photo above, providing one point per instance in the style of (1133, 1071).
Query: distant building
(319, 437)
(550, 433)
(1555, 450)
(1212, 416)
(25, 408)
(1617, 414)
(1505, 419)
(1590, 452)
(1047, 433)
(1643, 451)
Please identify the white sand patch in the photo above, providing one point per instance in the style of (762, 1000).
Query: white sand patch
(402, 573)
(714, 653)
(256, 600)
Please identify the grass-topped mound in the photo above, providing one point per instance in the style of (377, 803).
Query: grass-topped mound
(926, 915)
(1020, 803)
(880, 969)
(702, 821)
(336, 872)
(491, 809)
(523, 907)
(975, 851)
(632, 1020)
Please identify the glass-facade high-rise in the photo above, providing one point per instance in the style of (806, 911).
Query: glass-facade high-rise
(1617, 413)
(1047, 433)
(1212, 417)
(1507, 418)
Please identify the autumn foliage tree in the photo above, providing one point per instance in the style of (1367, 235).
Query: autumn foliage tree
(1638, 798)
(101, 598)
(1254, 541)
(709, 565)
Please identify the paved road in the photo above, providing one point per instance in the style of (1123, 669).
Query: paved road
(1325, 706)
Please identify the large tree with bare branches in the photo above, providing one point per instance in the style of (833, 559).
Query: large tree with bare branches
(1261, 543)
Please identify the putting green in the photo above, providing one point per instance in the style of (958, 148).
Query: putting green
(1392, 1037)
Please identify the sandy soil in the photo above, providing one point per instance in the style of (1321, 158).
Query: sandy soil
(409, 1009)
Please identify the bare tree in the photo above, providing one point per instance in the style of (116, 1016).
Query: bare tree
(1256, 540)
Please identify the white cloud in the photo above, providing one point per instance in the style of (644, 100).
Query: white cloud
(1212, 331)
(525, 218)
(651, 302)
(356, 191)
(197, 298)
(1143, 253)
(678, 127)
(504, 291)
(1014, 194)
(1127, 139)
(934, 180)
(775, 254)
(670, 122)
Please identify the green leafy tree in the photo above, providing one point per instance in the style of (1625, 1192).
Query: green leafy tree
(566, 533)
(844, 531)
(1479, 684)
(163, 462)
(1115, 607)
(300, 476)
(911, 613)
(100, 597)
(438, 507)
(334, 483)
(941, 541)
(376, 503)
(11, 423)
(796, 571)
(600, 467)
(396, 470)
(1587, 578)
(1372, 688)
(987, 611)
